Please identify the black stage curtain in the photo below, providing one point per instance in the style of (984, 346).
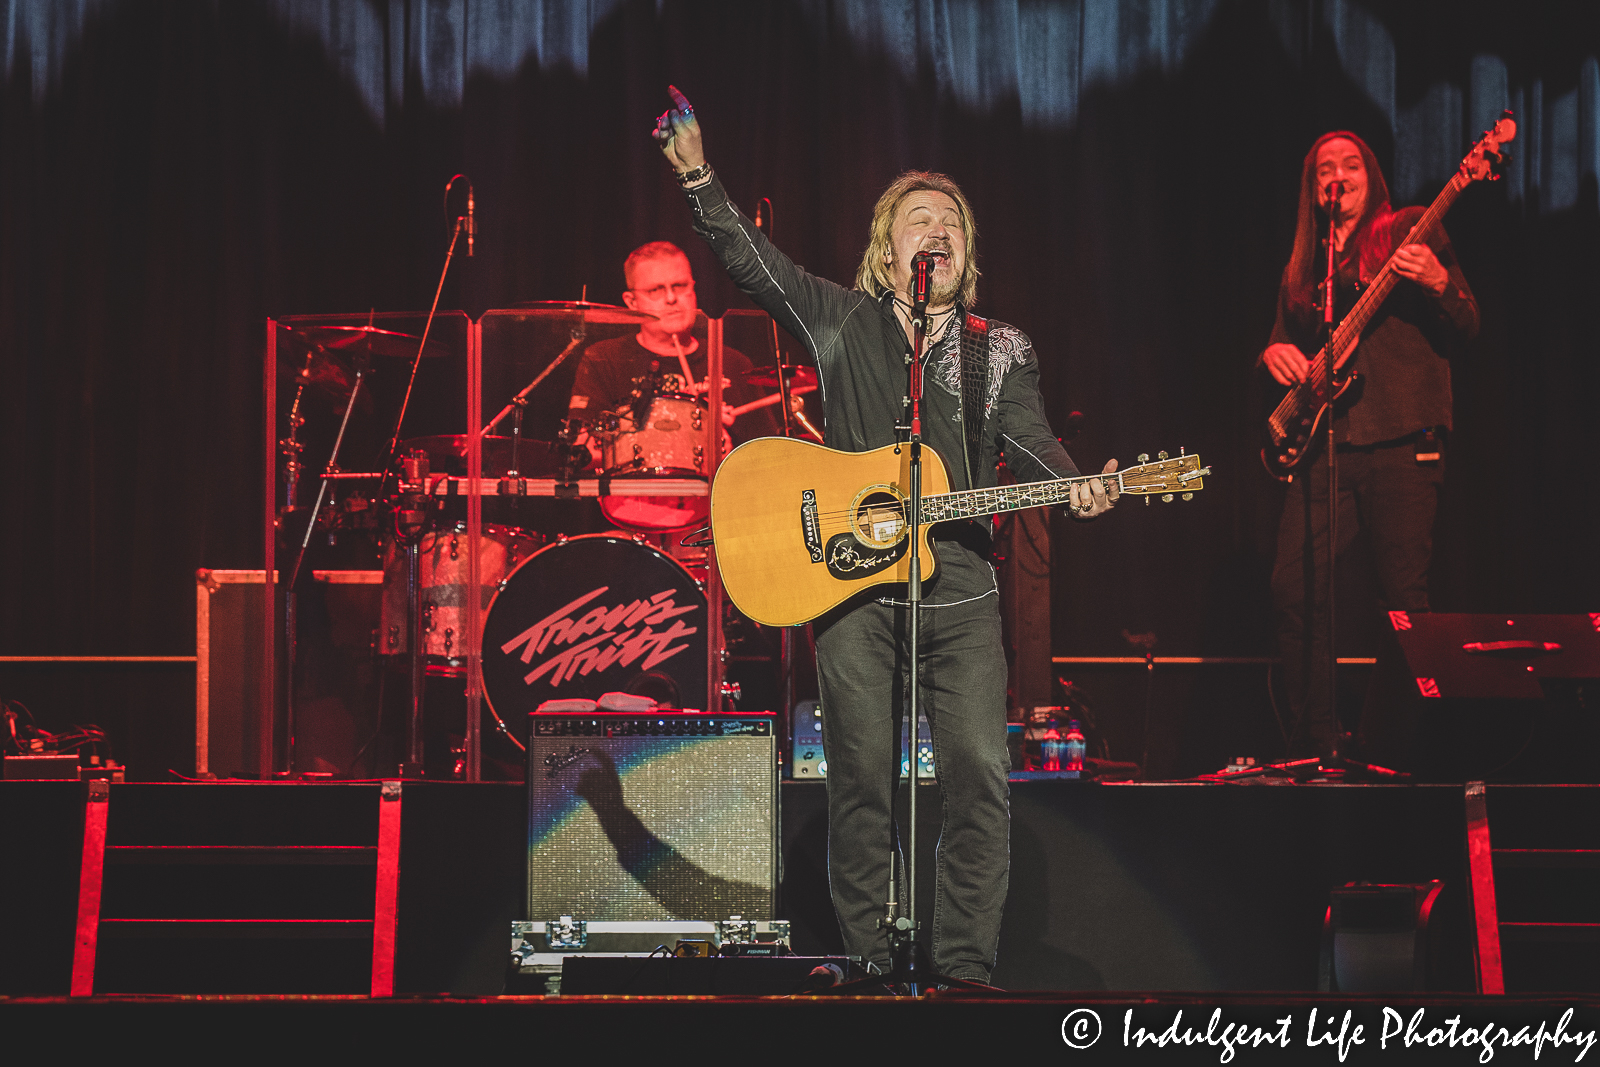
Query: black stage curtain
(173, 173)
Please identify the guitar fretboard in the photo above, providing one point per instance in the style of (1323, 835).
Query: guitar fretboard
(970, 503)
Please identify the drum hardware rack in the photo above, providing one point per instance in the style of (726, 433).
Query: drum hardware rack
(342, 335)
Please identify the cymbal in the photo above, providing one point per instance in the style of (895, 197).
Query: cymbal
(354, 339)
(768, 376)
(447, 454)
(600, 314)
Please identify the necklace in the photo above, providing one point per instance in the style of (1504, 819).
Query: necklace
(936, 322)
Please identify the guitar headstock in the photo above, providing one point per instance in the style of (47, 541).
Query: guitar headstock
(1165, 477)
(1489, 154)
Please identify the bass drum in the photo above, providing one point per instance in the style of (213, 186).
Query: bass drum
(591, 615)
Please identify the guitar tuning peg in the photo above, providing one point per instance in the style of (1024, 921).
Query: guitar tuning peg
(1166, 498)
(1188, 496)
(1161, 455)
(1146, 501)
(1181, 451)
(1144, 457)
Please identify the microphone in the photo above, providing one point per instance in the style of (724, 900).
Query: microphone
(472, 220)
(922, 265)
(1335, 192)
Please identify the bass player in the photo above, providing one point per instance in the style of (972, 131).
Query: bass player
(1391, 437)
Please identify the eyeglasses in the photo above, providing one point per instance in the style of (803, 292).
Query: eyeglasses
(659, 292)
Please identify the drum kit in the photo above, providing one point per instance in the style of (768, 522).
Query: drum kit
(559, 612)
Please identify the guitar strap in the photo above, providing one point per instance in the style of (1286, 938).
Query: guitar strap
(974, 386)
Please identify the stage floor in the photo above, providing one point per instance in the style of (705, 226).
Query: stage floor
(1159, 1027)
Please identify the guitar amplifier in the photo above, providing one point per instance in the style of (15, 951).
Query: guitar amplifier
(668, 816)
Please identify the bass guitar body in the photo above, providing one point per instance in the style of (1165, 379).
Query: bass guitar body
(800, 528)
(1293, 436)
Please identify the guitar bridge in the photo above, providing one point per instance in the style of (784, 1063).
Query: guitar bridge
(810, 527)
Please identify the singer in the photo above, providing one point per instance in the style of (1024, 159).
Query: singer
(982, 407)
(1391, 438)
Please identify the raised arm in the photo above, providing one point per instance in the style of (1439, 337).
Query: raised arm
(812, 309)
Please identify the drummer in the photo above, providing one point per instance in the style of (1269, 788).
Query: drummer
(661, 283)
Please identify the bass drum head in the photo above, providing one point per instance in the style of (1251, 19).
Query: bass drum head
(594, 615)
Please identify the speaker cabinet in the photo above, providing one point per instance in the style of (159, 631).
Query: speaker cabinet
(652, 817)
(336, 683)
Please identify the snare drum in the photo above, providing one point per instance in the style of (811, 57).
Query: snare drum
(442, 574)
(670, 443)
(590, 615)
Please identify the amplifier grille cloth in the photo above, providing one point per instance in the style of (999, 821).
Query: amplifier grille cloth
(651, 828)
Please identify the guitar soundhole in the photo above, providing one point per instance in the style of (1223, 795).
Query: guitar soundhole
(880, 519)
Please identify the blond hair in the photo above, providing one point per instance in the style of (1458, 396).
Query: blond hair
(874, 276)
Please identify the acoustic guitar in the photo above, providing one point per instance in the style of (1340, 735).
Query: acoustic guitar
(800, 528)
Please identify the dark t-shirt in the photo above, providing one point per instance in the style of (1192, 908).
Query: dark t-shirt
(607, 370)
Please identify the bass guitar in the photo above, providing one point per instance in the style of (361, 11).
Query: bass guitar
(800, 528)
(1292, 428)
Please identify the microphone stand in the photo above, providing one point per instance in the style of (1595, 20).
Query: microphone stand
(1336, 761)
(1332, 665)
(903, 928)
(412, 766)
(900, 916)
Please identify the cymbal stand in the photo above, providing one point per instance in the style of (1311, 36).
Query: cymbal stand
(332, 468)
(292, 449)
(410, 524)
(290, 597)
(579, 332)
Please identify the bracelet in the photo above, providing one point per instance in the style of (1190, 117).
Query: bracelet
(689, 177)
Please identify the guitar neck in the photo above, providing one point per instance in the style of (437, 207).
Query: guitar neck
(1348, 332)
(971, 503)
(1345, 335)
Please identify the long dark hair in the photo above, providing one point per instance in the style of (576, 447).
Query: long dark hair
(1371, 235)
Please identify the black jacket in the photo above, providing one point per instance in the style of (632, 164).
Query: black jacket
(860, 350)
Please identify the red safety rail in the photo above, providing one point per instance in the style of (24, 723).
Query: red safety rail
(388, 890)
(1486, 917)
(381, 927)
(91, 876)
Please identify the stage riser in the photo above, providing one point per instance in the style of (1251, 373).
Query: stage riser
(1112, 887)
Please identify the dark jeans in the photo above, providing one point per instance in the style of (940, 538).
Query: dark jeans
(1387, 493)
(861, 669)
